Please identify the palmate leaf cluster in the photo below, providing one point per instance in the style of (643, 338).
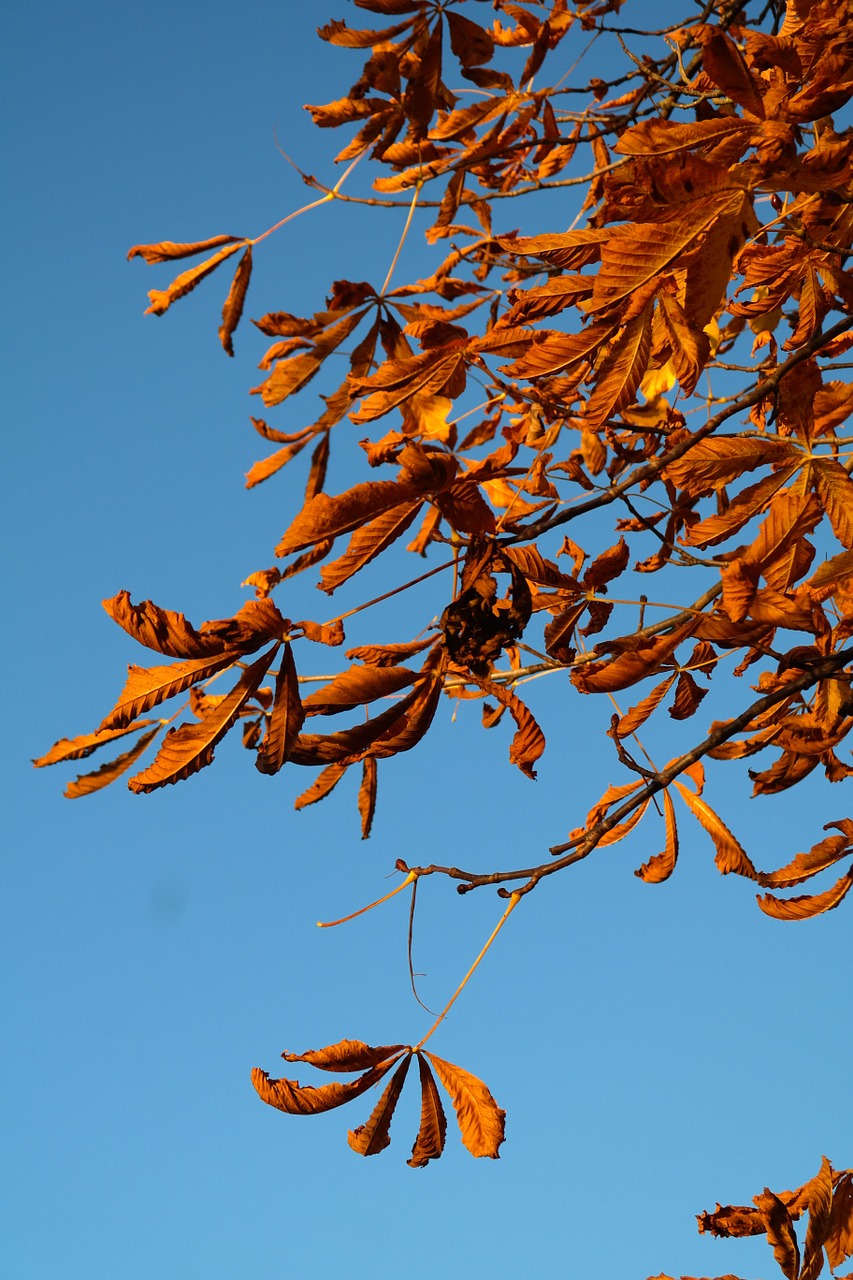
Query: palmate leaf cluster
(670, 368)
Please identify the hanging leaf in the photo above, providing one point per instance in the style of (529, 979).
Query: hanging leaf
(429, 1143)
(807, 905)
(480, 1119)
(373, 1137)
(285, 719)
(162, 299)
(86, 783)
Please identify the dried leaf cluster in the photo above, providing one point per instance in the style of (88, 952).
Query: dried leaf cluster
(827, 1198)
(672, 359)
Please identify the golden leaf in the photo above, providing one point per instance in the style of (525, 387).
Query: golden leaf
(638, 715)
(374, 1136)
(780, 1232)
(327, 517)
(325, 782)
(817, 1193)
(356, 687)
(367, 542)
(480, 1119)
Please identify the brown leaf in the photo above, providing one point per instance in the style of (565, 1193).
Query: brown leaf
(839, 1240)
(371, 1138)
(326, 781)
(326, 517)
(835, 490)
(638, 715)
(162, 299)
(389, 655)
(807, 905)
(367, 795)
(819, 857)
(688, 696)
(307, 1100)
(329, 633)
(86, 783)
(233, 306)
(285, 718)
(730, 857)
(480, 1119)
(661, 866)
(430, 1140)
(166, 632)
(356, 687)
(190, 748)
(83, 746)
(166, 250)
(818, 1194)
(347, 1055)
(627, 668)
(780, 1232)
(607, 566)
(528, 742)
(367, 543)
(712, 464)
(147, 687)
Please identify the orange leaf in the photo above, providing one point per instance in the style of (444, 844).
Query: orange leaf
(190, 748)
(357, 686)
(80, 748)
(819, 857)
(480, 1119)
(348, 1055)
(285, 718)
(528, 742)
(162, 299)
(86, 783)
(306, 1100)
(835, 490)
(325, 782)
(166, 250)
(661, 866)
(430, 1140)
(807, 905)
(730, 856)
(638, 715)
(147, 687)
(817, 1193)
(367, 543)
(233, 306)
(367, 795)
(326, 517)
(839, 1240)
(780, 1232)
(371, 1138)
(166, 632)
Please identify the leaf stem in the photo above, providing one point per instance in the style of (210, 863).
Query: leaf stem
(410, 879)
(412, 208)
(514, 899)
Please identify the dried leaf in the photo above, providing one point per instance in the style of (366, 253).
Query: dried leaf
(167, 250)
(429, 1143)
(80, 748)
(839, 1239)
(730, 855)
(818, 1195)
(190, 748)
(661, 866)
(347, 1055)
(86, 783)
(285, 719)
(807, 905)
(367, 543)
(307, 1100)
(367, 795)
(147, 687)
(233, 306)
(162, 299)
(819, 857)
(356, 687)
(638, 715)
(327, 780)
(480, 1119)
(374, 1136)
(780, 1232)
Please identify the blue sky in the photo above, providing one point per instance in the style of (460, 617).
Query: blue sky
(656, 1048)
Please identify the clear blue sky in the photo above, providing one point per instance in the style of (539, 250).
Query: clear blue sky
(656, 1048)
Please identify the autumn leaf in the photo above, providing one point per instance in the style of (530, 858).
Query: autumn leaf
(190, 748)
(285, 719)
(167, 250)
(661, 866)
(807, 905)
(730, 857)
(87, 783)
(83, 746)
(147, 687)
(480, 1119)
(430, 1140)
(162, 299)
(233, 306)
(374, 1136)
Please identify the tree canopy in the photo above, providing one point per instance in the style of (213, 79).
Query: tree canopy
(647, 386)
